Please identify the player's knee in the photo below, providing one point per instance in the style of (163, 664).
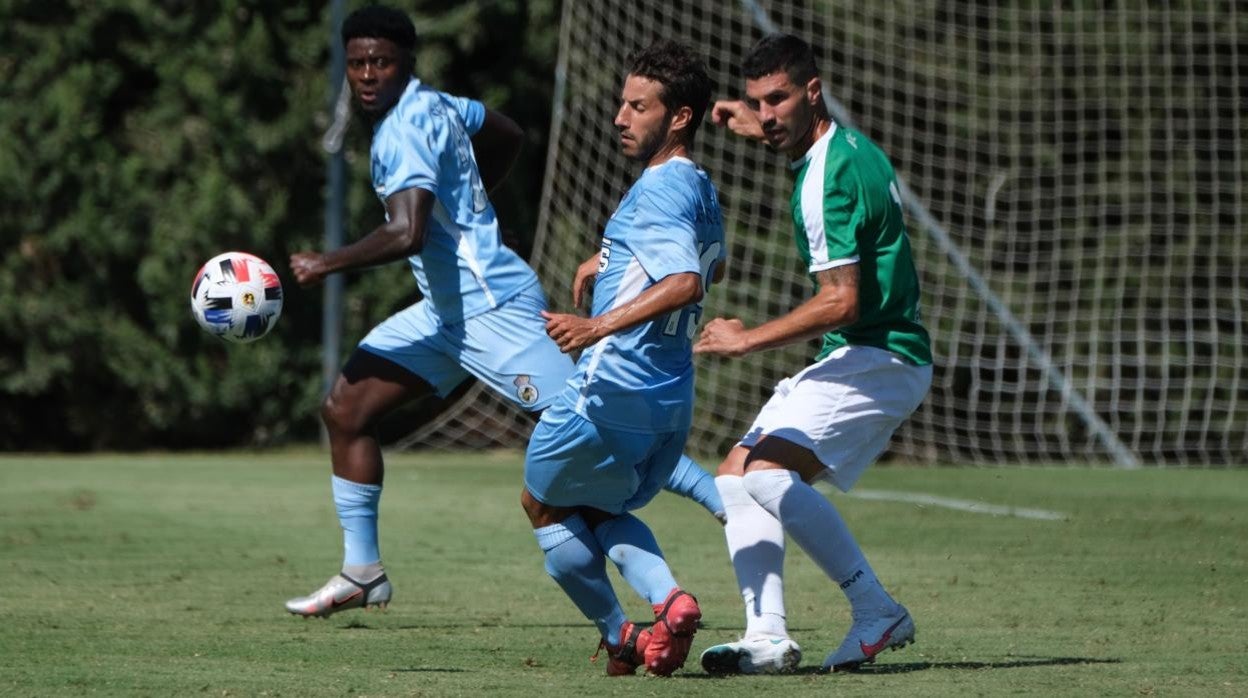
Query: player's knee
(734, 462)
(541, 514)
(338, 416)
(532, 507)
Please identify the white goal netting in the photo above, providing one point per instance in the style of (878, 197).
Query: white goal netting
(1077, 180)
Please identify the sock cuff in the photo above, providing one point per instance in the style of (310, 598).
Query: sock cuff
(766, 486)
(359, 490)
(732, 490)
(550, 537)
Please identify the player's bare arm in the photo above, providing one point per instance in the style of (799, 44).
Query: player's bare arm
(736, 116)
(586, 275)
(573, 332)
(398, 238)
(834, 306)
(496, 145)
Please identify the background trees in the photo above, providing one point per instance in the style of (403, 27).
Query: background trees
(140, 137)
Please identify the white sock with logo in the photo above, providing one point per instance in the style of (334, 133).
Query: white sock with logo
(817, 526)
(756, 547)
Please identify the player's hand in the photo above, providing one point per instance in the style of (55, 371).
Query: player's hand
(571, 332)
(308, 268)
(738, 118)
(586, 274)
(725, 337)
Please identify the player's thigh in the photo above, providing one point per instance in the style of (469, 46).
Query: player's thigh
(508, 349)
(368, 387)
(572, 462)
(656, 469)
(844, 409)
(411, 339)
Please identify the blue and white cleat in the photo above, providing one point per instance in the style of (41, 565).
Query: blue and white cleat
(753, 655)
(870, 635)
(339, 594)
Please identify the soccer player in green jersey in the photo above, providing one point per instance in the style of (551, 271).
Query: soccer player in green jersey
(834, 417)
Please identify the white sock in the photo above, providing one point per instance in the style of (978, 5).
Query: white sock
(756, 546)
(817, 526)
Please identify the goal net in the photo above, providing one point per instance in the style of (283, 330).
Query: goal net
(1075, 193)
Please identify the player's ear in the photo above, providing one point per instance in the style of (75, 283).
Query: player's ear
(681, 118)
(814, 91)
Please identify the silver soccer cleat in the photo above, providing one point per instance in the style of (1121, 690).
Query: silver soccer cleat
(339, 594)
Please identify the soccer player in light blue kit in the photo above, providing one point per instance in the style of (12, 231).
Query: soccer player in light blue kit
(434, 156)
(616, 431)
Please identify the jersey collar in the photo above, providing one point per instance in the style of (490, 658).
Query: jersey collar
(413, 84)
(821, 143)
(674, 158)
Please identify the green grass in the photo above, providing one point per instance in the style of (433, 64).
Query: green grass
(165, 575)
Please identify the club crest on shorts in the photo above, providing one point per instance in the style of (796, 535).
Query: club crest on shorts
(525, 391)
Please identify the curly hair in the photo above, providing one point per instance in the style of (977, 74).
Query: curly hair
(380, 22)
(682, 75)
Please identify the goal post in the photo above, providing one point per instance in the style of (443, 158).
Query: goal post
(1076, 197)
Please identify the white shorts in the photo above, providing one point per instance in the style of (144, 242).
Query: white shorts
(844, 408)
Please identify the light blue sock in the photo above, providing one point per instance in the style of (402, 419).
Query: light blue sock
(576, 562)
(632, 547)
(690, 480)
(357, 513)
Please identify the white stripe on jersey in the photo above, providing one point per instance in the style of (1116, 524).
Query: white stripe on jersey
(812, 206)
(463, 248)
(632, 283)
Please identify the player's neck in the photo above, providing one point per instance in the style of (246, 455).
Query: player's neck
(667, 152)
(818, 126)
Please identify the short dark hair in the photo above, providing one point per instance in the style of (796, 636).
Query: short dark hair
(776, 52)
(682, 75)
(380, 22)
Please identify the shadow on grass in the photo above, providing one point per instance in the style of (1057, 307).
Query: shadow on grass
(1019, 663)
(429, 670)
(908, 667)
(363, 625)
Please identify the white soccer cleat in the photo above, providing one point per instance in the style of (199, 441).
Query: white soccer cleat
(870, 635)
(339, 594)
(753, 655)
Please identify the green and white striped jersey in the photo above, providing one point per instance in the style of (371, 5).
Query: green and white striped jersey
(847, 210)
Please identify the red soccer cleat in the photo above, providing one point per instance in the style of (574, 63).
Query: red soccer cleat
(675, 622)
(623, 659)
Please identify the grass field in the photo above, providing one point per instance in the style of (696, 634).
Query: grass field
(165, 575)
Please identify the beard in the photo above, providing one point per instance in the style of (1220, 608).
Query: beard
(650, 143)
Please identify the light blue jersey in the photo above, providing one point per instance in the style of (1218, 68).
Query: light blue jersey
(464, 268)
(642, 379)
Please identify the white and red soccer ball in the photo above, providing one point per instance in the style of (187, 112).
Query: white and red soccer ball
(237, 297)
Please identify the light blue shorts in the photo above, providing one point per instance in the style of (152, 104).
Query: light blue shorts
(507, 348)
(574, 462)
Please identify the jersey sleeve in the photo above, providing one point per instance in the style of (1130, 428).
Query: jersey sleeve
(664, 240)
(405, 158)
(842, 216)
(470, 110)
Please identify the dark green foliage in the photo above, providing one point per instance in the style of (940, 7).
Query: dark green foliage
(138, 139)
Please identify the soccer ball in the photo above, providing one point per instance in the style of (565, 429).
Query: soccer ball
(237, 297)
